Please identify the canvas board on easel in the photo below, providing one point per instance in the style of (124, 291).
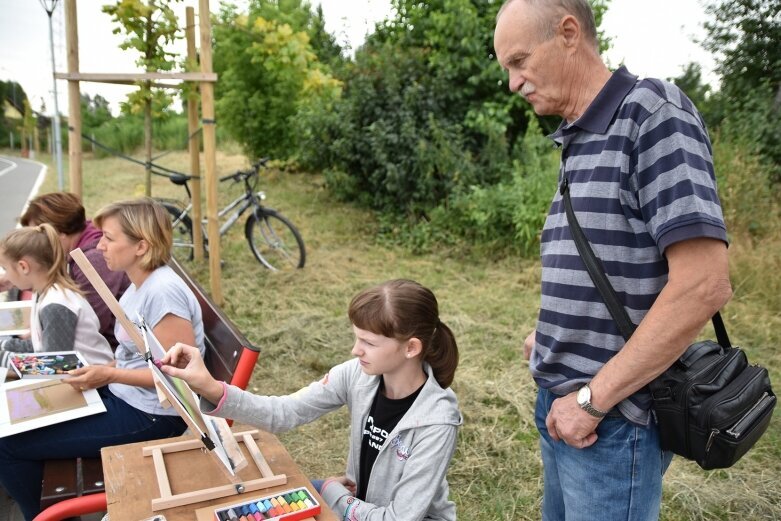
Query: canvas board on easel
(30, 404)
(205, 425)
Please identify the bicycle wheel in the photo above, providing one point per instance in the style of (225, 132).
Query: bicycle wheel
(274, 240)
(182, 230)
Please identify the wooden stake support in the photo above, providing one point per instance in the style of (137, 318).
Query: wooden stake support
(169, 500)
(206, 77)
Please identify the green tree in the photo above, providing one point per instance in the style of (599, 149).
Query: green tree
(425, 114)
(150, 26)
(744, 37)
(94, 111)
(298, 14)
(13, 93)
(268, 74)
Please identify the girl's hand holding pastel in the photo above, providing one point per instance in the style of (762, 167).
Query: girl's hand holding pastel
(185, 362)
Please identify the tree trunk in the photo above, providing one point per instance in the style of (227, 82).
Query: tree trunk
(148, 146)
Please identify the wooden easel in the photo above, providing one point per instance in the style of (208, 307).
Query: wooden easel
(169, 500)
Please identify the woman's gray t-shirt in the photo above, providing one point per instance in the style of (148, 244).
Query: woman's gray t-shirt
(162, 293)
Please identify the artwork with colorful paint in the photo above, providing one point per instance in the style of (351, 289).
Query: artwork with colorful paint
(50, 365)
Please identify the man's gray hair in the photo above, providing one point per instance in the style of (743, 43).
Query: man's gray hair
(550, 13)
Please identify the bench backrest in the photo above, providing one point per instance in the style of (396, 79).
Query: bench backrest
(229, 355)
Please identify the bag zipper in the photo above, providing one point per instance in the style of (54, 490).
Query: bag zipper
(737, 430)
(748, 419)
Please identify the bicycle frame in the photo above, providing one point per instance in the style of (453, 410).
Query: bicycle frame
(249, 200)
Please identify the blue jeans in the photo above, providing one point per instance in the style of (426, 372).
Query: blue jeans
(22, 455)
(619, 478)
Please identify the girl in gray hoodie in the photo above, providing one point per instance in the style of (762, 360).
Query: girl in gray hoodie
(404, 416)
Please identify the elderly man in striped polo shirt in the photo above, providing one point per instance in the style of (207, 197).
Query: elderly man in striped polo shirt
(638, 162)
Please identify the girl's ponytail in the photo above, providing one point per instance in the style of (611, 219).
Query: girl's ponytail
(442, 354)
(56, 272)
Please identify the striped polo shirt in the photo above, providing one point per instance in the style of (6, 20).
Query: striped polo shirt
(641, 178)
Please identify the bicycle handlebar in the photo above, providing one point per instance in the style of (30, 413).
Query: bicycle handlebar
(246, 174)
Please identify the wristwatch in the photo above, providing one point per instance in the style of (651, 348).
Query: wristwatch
(584, 401)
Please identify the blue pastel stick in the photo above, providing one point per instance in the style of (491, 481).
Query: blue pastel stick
(262, 507)
(245, 510)
(253, 508)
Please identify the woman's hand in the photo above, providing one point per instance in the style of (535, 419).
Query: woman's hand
(185, 362)
(345, 481)
(90, 377)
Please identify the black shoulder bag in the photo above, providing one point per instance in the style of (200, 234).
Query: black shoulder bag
(711, 405)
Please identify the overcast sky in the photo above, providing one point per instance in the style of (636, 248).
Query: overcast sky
(647, 37)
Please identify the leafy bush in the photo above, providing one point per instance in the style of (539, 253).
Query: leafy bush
(509, 215)
(421, 117)
(268, 73)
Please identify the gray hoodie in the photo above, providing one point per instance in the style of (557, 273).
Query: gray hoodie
(408, 480)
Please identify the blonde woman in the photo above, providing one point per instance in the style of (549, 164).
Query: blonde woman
(61, 318)
(136, 240)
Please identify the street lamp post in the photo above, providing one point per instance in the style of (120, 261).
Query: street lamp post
(49, 6)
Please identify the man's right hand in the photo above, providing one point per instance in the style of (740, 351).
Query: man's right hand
(528, 344)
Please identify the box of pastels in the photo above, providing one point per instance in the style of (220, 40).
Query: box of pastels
(289, 505)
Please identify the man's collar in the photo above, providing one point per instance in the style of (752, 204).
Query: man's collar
(601, 111)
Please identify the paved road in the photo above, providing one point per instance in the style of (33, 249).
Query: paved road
(18, 178)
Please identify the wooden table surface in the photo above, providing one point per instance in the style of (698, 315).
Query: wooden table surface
(131, 483)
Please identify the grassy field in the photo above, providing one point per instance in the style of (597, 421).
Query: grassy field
(299, 322)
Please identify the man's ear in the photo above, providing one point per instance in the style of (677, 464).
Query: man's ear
(414, 347)
(569, 29)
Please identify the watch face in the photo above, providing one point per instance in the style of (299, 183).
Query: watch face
(584, 395)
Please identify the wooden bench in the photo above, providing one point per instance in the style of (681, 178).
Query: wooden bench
(75, 487)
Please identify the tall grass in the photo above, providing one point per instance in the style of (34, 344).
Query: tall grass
(299, 322)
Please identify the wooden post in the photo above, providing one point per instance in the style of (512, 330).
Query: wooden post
(195, 140)
(37, 140)
(209, 153)
(74, 100)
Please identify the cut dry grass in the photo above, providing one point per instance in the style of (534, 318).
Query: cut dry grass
(299, 322)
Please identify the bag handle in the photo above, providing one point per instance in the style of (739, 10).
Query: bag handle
(597, 273)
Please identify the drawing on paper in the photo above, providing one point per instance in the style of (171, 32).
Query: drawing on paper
(42, 399)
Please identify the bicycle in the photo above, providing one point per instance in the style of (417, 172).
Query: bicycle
(273, 239)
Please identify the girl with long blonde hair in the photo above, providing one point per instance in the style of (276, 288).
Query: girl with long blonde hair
(61, 318)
